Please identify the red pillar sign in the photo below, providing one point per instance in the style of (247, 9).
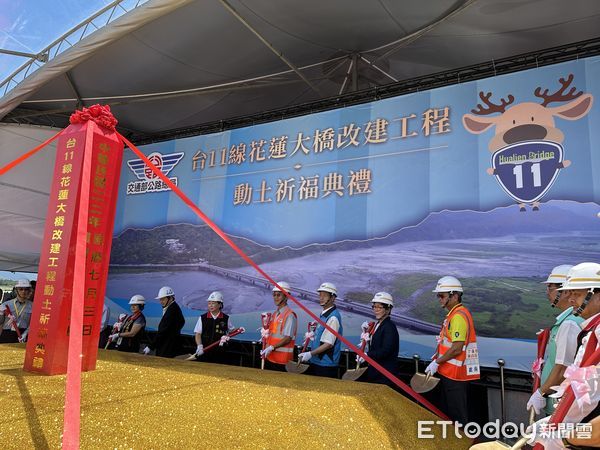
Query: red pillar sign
(47, 346)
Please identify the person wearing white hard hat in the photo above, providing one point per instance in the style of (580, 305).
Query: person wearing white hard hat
(168, 336)
(325, 358)
(561, 343)
(17, 311)
(456, 359)
(384, 340)
(211, 327)
(282, 331)
(583, 287)
(129, 337)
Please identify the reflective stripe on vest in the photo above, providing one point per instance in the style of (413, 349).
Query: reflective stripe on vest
(465, 366)
(285, 353)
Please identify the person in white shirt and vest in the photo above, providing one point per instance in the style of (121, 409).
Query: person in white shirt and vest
(583, 286)
(456, 359)
(16, 311)
(324, 359)
(212, 327)
(282, 332)
(561, 343)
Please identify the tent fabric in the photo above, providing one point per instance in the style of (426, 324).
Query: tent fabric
(199, 63)
(172, 64)
(24, 195)
(78, 53)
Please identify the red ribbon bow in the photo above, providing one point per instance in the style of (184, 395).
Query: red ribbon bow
(97, 113)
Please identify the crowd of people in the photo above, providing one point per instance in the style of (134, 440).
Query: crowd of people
(567, 349)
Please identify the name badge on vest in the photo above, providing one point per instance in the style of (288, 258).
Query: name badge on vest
(472, 359)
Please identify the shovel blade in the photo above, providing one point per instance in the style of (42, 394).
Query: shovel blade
(294, 367)
(421, 383)
(187, 357)
(354, 374)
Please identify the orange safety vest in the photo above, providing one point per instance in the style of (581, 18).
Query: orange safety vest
(464, 367)
(281, 355)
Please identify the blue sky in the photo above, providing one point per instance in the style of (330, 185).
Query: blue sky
(17, 275)
(31, 25)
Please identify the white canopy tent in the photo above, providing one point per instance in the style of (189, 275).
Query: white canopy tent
(24, 199)
(173, 67)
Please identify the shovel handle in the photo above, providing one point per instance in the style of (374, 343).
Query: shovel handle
(312, 326)
(416, 358)
(522, 441)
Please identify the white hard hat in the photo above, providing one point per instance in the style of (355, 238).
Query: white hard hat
(164, 291)
(216, 296)
(328, 287)
(448, 284)
(284, 285)
(137, 299)
(23, 283)
(383, 297)
(558, 274)
(583, 276)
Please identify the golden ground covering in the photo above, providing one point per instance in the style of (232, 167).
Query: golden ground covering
(141, 402)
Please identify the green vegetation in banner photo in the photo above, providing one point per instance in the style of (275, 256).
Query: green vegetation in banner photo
(507, 307)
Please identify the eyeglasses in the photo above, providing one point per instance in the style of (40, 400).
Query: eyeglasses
(377, 307)
(442, 296)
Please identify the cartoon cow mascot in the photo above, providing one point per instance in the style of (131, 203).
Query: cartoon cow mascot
(527, 154)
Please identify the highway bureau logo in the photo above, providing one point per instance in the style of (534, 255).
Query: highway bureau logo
(147, 180)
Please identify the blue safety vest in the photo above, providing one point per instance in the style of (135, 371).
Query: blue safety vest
(330, 358)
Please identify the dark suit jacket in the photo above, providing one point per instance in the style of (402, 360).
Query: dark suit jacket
(384, 347)
(167, 342)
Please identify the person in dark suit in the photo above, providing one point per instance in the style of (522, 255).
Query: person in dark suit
(385, 341)
(167, 341)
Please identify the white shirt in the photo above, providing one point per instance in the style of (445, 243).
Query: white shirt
(566, 342)
(198, 327)
(21, 312)
(333, 322)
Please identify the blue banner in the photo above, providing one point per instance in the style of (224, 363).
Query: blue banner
(493, 181)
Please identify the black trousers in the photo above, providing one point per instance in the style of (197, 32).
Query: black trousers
(454, 396)
(276, 367)
(10, 336)
(322, 371)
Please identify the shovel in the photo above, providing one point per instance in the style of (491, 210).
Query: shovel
(265, 319)
(233, 333)
(499, 445)
(355, 374)
(299, 367)
(420, 382)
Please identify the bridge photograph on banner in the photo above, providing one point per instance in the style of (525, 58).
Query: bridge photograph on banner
(493, 181)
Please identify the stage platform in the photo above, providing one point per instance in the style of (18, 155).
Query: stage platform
(142, 402)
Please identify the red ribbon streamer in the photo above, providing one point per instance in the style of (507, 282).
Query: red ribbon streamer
(72, 414)
(8, 313)
(11, 165)
(232, 334)
(419, 398)
(542, 343)
(569, 396)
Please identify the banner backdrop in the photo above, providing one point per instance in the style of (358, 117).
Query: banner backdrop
(494, 181)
